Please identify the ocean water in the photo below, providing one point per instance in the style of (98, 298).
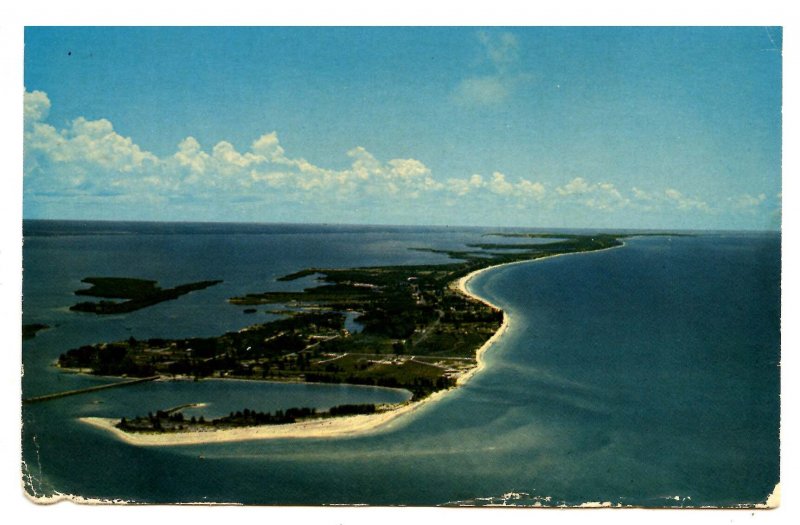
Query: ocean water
(645, 375)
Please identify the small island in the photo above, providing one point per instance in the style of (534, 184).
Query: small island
(140, 293)
(29, 331)
(422, 331)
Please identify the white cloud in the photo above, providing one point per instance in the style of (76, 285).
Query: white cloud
(225, 154)
(462, 187)
(534, 190)
(641, 194)
(97, 142)
(645, 201)
(364, 164)
(577, 186)
(668, 198)
(85, 153)
(498, 184)
(600, 196)
(269, 147)
(748, 202)
(366, 174)
(684, 202)
(408, 169)
(89, 159)
(191, 155)
(36, 106)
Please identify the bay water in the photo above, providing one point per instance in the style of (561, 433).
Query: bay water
(645, 375)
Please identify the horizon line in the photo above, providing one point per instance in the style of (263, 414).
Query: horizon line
(388, 225)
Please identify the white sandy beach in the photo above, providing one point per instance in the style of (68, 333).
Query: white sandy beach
(319, 428)
(316, 428)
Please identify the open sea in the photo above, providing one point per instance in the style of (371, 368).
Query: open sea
(645, 375)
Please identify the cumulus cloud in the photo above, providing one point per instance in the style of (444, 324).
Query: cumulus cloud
(462, 187)
(364, 163)
(191, 155)
(530, 189)
(89, 159)
(408, 169)
(268, 163)
(36, 106)
(669, 198)
(600, 196)
(684, 202)
(226, 155)
(87, 156)
(269, 147)
(577, 186)
(497, 184)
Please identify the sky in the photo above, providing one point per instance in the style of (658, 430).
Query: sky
(657, 128)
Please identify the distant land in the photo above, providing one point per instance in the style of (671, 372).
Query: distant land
(421, 331)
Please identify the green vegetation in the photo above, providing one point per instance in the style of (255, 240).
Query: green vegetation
(419, 332)
(174, 421)
(29, 330)
(140, 293)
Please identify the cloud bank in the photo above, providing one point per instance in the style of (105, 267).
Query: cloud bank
(89, 163)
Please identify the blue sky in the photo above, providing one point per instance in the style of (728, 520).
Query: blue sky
(545, 127)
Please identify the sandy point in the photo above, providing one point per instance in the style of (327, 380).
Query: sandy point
(336, 427)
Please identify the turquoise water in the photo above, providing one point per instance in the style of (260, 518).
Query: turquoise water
(634, 375)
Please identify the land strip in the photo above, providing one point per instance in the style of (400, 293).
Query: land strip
(423, 331)
(57, 395)
(140, 293)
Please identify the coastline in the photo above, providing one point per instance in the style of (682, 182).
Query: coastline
(337, 427)
(461, 286)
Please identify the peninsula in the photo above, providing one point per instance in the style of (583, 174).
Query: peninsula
(29, 331)
(421, 330)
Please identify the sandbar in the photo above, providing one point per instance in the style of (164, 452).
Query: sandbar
(333, 427)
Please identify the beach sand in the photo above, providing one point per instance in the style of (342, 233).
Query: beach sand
(316, 428)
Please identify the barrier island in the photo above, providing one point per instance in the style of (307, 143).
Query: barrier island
(421, 331)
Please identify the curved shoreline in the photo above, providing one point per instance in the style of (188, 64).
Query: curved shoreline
(337, 427)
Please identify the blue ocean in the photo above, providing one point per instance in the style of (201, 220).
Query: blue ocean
(645, 375)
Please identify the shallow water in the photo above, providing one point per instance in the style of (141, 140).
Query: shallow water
(634, 375)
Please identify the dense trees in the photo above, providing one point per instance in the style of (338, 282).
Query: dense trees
(173, 420)
(139, 293)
